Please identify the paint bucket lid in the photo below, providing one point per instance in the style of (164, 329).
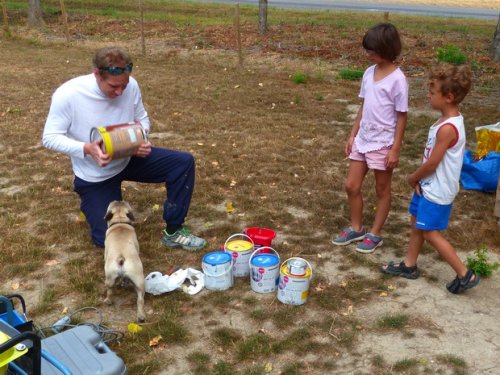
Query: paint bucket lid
(261, 236)
(216, 258)
(239, 245)
(265, 260)
(286, 272)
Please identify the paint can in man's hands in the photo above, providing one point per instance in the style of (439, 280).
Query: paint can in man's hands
(121, 140)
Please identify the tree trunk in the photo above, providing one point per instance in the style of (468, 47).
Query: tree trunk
(34, 13)
(495, 44)
(262, 16)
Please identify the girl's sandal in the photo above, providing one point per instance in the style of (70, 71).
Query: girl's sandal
(400, 270)
(460, 285)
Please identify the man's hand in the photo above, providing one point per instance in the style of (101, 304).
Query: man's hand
(94, 149)
(143, 150)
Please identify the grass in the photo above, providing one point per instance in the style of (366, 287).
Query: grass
(286, 161)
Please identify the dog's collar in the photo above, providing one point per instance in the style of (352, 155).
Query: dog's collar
(120, 222)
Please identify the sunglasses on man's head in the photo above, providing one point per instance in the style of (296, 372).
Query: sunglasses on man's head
(117, 70)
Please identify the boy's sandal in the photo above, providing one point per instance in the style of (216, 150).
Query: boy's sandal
(400, 270)
(460, 285)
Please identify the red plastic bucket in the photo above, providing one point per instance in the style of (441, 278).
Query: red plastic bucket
(261, 236)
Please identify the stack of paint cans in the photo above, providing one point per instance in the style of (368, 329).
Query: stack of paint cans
(294, 280)
(240, 247)
(264, 270)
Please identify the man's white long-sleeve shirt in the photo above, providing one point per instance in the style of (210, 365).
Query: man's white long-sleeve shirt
(77, 106)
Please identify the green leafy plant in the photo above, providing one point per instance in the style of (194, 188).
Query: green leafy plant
(451, 54)
(350, 74)
(299, 78)
(479, 262)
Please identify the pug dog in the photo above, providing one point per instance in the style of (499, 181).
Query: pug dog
(121, 253)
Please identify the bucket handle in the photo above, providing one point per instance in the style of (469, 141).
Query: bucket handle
(238, 234)
(259, 250)
(308, 264)
(222, 274)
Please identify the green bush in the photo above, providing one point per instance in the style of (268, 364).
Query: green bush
(299, 78)
(451, 54)
(351, 74)
(479, 263)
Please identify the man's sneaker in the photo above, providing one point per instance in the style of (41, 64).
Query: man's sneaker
(183, 238)
(349, 235)
(370, 243)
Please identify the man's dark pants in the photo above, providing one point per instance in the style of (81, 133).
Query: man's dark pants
(174, 168)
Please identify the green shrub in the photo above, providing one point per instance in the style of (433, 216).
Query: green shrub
(479, 263)
(351, 74)
(299, 78)
(451, 54)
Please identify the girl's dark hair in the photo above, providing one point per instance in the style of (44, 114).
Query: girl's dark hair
(384, 40)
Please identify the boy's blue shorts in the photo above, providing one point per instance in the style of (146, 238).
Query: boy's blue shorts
(430, 216)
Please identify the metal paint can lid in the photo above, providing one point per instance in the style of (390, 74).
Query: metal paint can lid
(239, 245)
(297, 267)
(217, 258)
(265, 260)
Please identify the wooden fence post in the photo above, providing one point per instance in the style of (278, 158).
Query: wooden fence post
(143, 41)
(238, 33)
(65, 19)
(5, 17)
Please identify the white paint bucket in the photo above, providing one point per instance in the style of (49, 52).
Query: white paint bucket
(240, 249)
(294, 289)
(264, 266)
(217, 267)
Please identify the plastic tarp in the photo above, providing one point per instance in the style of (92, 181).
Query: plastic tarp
(480, 174)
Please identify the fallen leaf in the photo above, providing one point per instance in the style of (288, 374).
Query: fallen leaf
(237, 86)
(261, 84)
(320, 287)
(383, 294)
(155, 341)
(229, 207)
(156, 207)
(52, 262)
(65, 310)
(268, 367)
(15, 286)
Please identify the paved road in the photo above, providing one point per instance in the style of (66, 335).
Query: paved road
(366, 6)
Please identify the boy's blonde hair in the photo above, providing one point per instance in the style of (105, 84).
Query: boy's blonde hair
(453, 79)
